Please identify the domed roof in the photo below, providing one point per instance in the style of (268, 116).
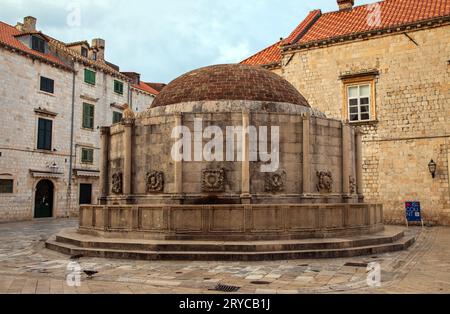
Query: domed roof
(229, 82)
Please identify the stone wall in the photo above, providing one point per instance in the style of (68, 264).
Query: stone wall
(412, 113)
(231, 222)
(20, 95)
(140, 100)
(151, 147)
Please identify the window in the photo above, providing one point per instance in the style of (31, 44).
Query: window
(6, 186)
(359, 102)
(84, 52)
(87, 155)
(94, 56)
(89, 77)
(117, 117)
(45, 134)
(47, 85)
(118, 87)
(38, 44)
(88, 116)
(359, 97)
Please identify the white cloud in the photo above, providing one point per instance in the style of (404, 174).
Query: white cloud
(233, 54)
(163, 39)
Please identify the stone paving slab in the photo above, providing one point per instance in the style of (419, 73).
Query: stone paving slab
(27, 267)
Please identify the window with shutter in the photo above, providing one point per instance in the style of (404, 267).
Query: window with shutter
(89, 76)
(45, 134)
(87, 155)
(118, 87)
(88, 116)
(47, 85)
(38, 44)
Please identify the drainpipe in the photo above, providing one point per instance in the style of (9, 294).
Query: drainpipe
(130, 97)
(69, 188)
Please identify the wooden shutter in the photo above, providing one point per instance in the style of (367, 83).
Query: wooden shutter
(89, 76)
(88, 116)
(118, 87)
(91, 116)
(45, 128)
(47, 85)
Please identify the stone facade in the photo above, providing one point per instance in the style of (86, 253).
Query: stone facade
(22, 103)
(20, 99)
(410, 123)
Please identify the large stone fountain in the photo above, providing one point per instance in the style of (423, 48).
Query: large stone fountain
(230, 162)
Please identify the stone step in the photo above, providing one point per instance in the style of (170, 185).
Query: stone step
(71, 249)
(390, 235)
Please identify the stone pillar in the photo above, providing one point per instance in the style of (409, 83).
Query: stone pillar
(245, 195)
(346, 165)
(359, 161)
(178, 167)
(128, 124)
(104, 163)
(306, 154)
(128, 130)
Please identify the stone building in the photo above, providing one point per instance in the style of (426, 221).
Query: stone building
(54, 97)
(384, 67)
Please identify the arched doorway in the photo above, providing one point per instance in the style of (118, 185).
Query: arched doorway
(43, 200)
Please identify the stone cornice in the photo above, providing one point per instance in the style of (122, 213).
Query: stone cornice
(45, 112)
(88, 98)
(346, 76)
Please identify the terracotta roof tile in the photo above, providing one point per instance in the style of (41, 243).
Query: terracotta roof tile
(318, 27)
(303, 27)
(393, 13)
(9, 37)
(146, 88)
(270, 55)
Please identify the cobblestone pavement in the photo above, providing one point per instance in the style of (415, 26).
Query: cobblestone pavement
(27, 267)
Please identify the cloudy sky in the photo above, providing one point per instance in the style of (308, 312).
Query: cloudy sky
(163, 39)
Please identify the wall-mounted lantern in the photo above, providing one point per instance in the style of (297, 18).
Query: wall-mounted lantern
(54, 167)
(432, 166)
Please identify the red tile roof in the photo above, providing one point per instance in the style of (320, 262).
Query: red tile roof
(303, 27)
(9, 38)
(146, 88)
(320, 27)
(271, 54)
(393, 13)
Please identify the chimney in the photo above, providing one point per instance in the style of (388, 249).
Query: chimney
(99, 45)
(345, 5)
(29, 24)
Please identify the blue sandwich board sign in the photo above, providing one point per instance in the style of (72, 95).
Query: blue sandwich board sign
(413, 212)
